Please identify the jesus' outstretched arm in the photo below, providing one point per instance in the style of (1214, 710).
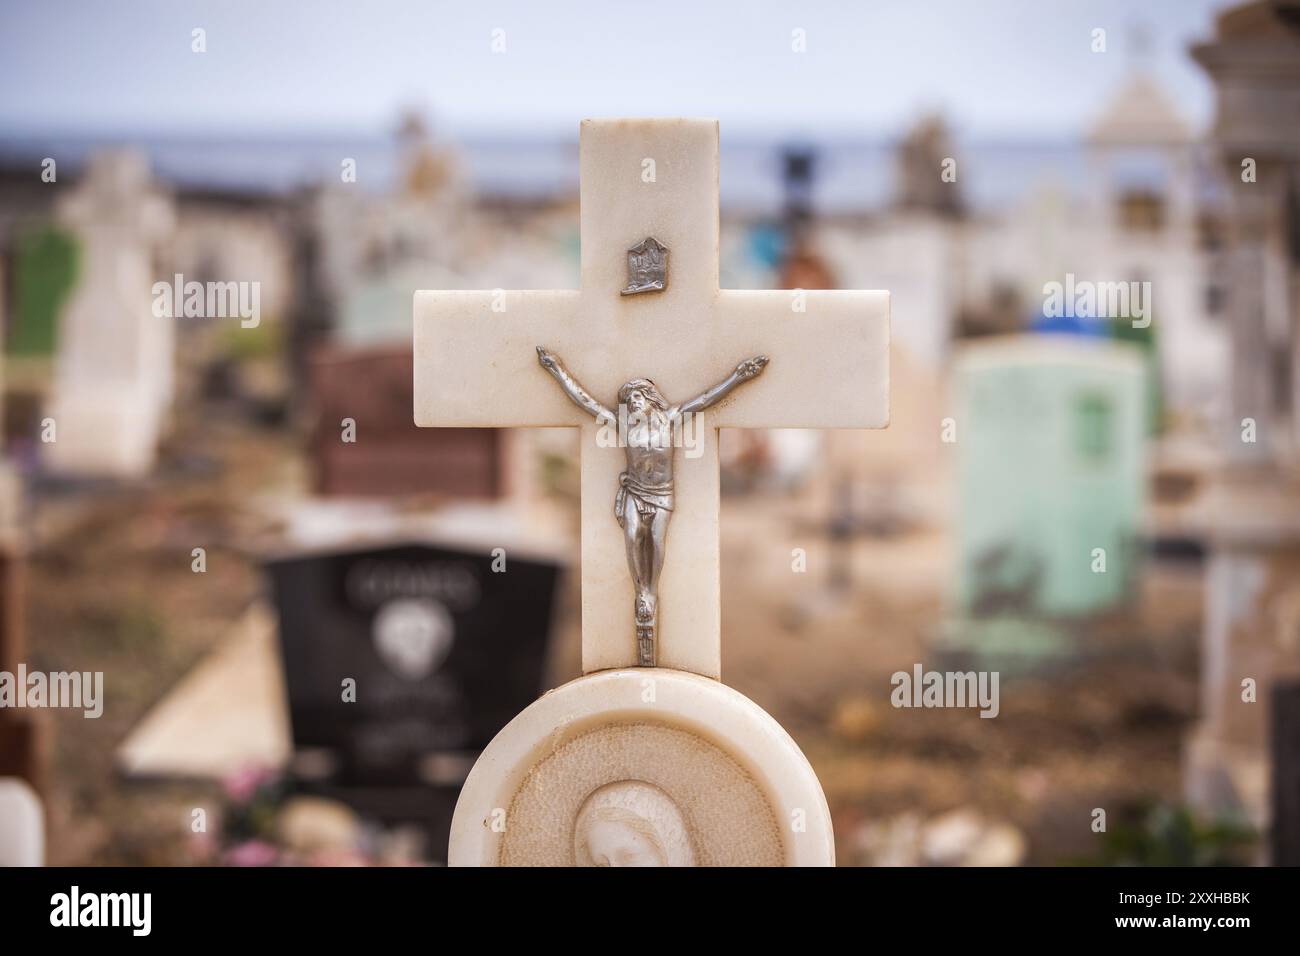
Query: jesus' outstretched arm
(746, 370)
(572, 387)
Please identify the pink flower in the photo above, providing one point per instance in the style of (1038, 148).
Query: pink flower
(252, 853)
(242, 785)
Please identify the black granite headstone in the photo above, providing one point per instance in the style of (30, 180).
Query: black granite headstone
(402, 663)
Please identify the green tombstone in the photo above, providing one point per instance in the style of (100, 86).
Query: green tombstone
(44, 274)
(1144, 339)
(1050, 474)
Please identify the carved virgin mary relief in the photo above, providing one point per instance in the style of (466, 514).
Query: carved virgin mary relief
(640, 794)
(631, 823)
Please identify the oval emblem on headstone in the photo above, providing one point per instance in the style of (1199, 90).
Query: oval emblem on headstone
(413, 635)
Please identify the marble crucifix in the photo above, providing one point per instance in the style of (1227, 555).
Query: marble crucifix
(649, 343)
(476, 364)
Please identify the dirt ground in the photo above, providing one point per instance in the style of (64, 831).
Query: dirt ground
(1102, 730)
(111, 588)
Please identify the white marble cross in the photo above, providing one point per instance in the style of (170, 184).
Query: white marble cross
(115, 369)
(476, 365)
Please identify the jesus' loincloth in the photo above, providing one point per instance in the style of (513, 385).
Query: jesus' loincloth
(648, 497)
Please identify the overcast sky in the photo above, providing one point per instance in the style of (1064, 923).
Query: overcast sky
(995, 67)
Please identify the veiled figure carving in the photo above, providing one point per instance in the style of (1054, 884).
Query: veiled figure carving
(631, 823)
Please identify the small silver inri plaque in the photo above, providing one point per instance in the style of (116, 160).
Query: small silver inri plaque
(647, 267)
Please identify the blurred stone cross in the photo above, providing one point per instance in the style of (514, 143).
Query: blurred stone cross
(476, 364)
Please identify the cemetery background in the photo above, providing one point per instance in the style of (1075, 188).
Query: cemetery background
(962, 537)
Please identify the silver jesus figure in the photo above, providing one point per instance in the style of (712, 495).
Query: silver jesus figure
(644, 502)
